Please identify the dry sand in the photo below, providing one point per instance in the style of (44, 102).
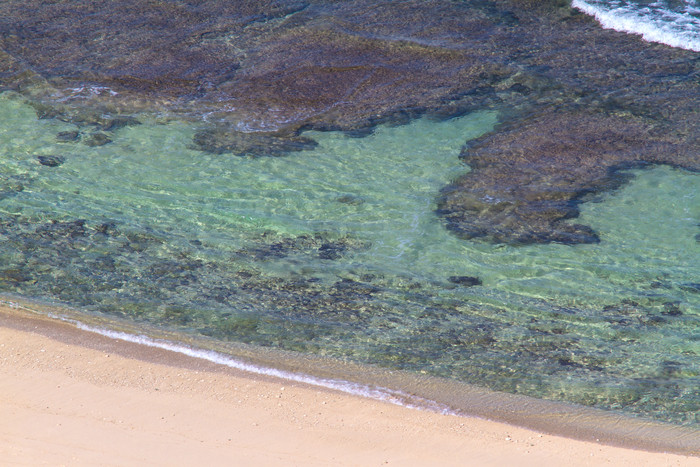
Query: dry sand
(70, 397)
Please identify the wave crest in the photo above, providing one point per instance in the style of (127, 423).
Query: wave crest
(655, 23)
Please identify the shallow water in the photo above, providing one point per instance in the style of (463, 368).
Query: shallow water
(338, 252)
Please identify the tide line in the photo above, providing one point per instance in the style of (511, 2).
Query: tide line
(373, 392)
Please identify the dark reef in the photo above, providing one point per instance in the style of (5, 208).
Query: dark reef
(578, 103)
(51, 160)
(527, 179)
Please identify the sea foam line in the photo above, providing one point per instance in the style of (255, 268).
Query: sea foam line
(651, 30)
(372, 392)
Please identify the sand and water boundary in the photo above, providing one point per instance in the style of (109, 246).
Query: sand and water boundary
(76, 397)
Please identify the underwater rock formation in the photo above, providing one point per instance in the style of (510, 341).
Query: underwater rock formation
(527, 179)
(578, 103)
(51, 160)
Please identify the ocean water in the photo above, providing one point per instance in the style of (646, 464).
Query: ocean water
(338, 252)
(672, 22)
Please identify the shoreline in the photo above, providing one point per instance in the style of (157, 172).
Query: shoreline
(78, 397)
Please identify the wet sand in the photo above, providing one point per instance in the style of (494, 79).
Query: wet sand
(71, 397)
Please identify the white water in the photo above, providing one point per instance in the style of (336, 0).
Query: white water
(677, 24)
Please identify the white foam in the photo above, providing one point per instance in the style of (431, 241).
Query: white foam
(658, 24)
(363, 390)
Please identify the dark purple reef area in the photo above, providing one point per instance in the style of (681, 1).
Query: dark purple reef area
(578, 103)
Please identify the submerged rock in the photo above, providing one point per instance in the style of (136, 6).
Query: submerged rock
(97, 139)
(58, 230)
(528, 179)
(465, 281)
(68, 136)
(693, 287)
(219, 141)
(351, 200)
(10, 187)
(318, 245)
(14, 275)
(112, 124)
(51, 160)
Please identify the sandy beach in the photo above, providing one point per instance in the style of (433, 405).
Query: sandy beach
(70, 397)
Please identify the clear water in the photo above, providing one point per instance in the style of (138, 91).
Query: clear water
(672, 22)
(338, 252)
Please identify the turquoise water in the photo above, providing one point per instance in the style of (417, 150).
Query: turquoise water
(338, 252)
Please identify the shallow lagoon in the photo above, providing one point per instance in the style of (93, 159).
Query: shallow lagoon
(338, 252)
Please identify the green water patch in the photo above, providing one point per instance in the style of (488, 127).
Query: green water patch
(339, 252)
